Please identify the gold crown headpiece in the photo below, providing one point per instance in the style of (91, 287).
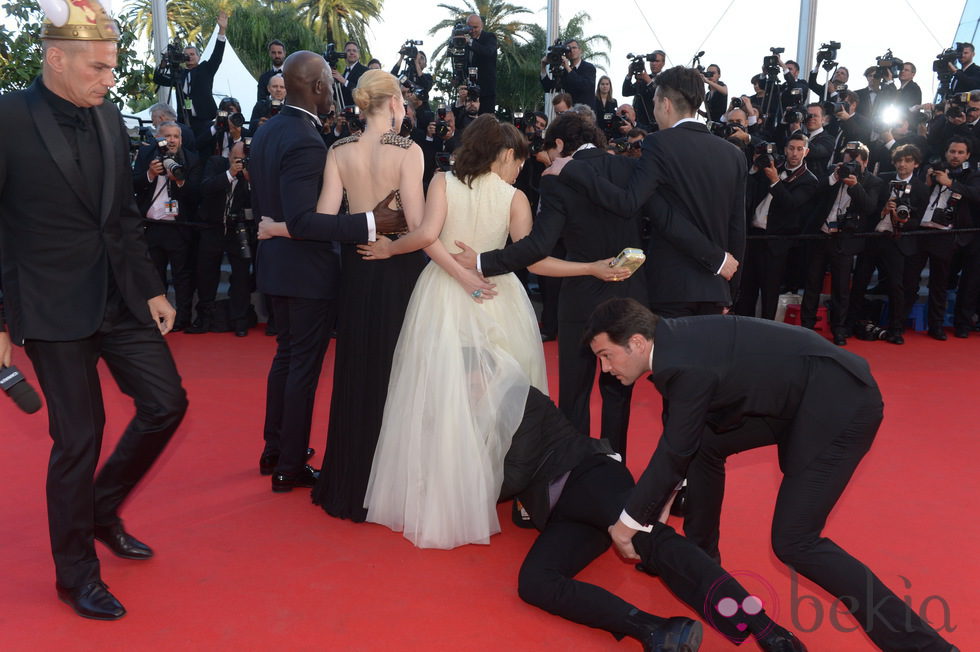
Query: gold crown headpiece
(77, 20)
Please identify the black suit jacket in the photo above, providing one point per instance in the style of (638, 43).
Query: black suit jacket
(186, 195)
(908, 96)
(545, 447)
(286, 166)
(263, 85)
(718, 371)
(579, 83)
(967, 79)
(690, 174)
(353, 77)
(790, 207)
(820, 154)
(58, 241)
(202, 83)
(918, 201)
(884, 97)
(483, 56)
(214, 191)
(864, 202)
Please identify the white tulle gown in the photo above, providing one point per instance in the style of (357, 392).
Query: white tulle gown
(458, 385)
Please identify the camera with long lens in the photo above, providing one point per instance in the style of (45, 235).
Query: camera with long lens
(332, 56)
(223, 119)
(458, 51)
(770, 63)
(174, 55)
(765, 155)
(948, 56)
(738, 103)
(352, 122)
(442, 126)
(554, 56)
(408, 83)
(237, 224)
(723, 129)
(410, 50)
(827, 54)
(794, 115)
(170, 164)
(637, 62)
(624, 146)
(887, 63)
(901, 193)
(246, 151)
(611, 122)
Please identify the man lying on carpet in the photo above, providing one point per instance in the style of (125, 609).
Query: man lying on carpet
(730, 384)
(573, 487)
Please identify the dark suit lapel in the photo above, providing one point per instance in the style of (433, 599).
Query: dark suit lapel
(109, 163)
(57, 146)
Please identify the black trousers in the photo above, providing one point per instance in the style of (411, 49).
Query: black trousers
(938, 252)
(803, 504)
(763, 274)
(170, 243)
(821, 254)
(213, 244)
(883, 252)
(576, 534)
(140, 362)
(576, 375)
(304, 333)
(968, 294)
(692, 309)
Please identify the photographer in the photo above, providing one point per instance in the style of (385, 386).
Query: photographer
(967, 77)
(467, 109)
(853, 123)
(879, 93)
(821, 141)
(574, 75)
(959, 118)
(196, 80)
(909, 94)
(735, 129)
(901, 204)
(226, 208)
(277, 54)
(845, 205)
(779, 197)
(533, 125)
(641, 86)
(794, 91)
(227, 129)
(265, 109)
(416, 61)
(837, 83)
(438, 142)
(954, 195)
(716, 99)
(160, 113)
(904, 131)
(165, 180)
(482, 55)
(353, 70)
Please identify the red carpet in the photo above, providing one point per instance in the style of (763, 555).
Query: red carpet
(238, 567)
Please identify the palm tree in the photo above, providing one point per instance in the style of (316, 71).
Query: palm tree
(185, 18)
(498, 18)
(338, 21)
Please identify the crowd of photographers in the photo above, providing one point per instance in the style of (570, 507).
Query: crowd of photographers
(850, 182)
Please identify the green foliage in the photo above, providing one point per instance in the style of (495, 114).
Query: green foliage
(250, 32)
(339, 21)
(21, 57)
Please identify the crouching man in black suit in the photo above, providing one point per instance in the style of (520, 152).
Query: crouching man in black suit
(730, 384)
(573, 487)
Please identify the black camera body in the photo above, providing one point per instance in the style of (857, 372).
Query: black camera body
(611, 122)
(170, 164)
(770, 64)
(331, 55)
(827, 54)
(408, 83)
(887, 62)
(637, 62)
(174, 55)
(765, 154)
(723, 129)
(410, 50)
(353, 121)
(275, 106)
(442, 126)
(556, 52)
(223, 119)
(901, 192)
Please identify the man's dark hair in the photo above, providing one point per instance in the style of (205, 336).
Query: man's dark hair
(819, 105)
(716, 67)
(907, 150)
(562, 97)
(794, 63)
(683, 86)
(541, 114)
(968, 45)
(373, 61)
(574, 130)
(275, 41)
(229, 102)
(660, 52)
(620, 319)
(757, 80)
(849, 97)
(957, 139)
(799, 136)
(636, 132)
(572, 40)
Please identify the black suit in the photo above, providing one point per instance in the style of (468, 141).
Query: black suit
(820, 154)
(579, 83)
(171, 242)
(302, 274)
(766, 260)
(838, 249)
(642, 94)
(263, 85)
(691, 175)
(966, 79)
(200, 81)
(482, 55)
(734, 383)
(547, 452)
(908, 96)
(76, 277)
(890, 253)
(352, 74)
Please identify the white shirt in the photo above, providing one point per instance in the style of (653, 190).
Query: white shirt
(885, 223)
(841, 204)
(161, 197)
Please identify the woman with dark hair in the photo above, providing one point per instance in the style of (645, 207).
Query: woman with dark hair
(604, 100)
(466, 354)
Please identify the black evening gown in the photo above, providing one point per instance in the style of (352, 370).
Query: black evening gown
(373, 298)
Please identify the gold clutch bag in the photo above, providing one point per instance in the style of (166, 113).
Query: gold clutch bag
(630, 259)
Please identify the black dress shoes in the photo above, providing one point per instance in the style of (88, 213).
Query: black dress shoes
(241, 332)
(962, 332)
(895, 337)
(121, 543)
(268, 461)
(840, 339)
(779, 639)
(937, 333)
(92, 600)
(679, 507)
(283, 482)
(674, 635)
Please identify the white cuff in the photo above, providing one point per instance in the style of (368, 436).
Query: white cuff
(479, 266)
(372, 230)
(228, 174)
(890, 144)
(629, 522)
(222, 37)
(723, 261)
